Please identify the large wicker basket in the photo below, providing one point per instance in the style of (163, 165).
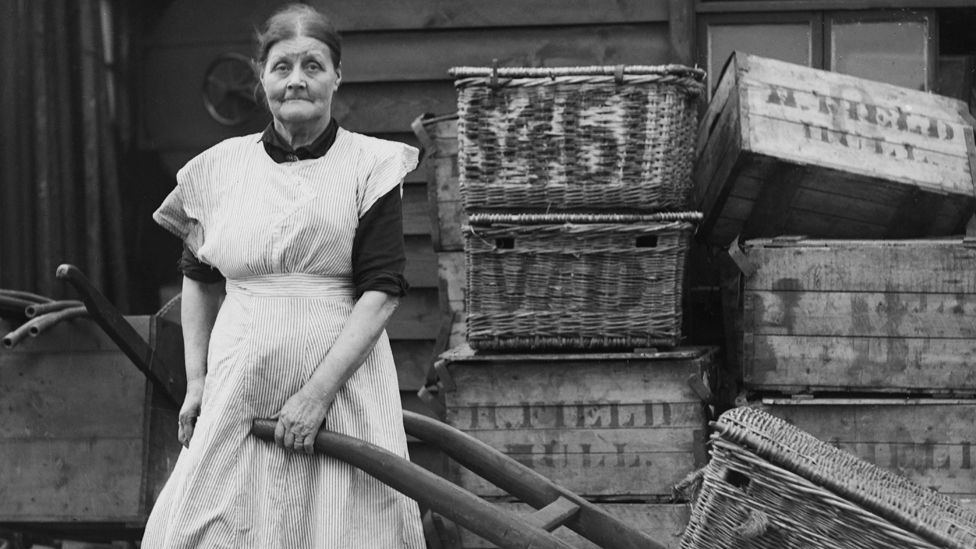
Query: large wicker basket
(771, 485)
(575, 281)
(577, 138)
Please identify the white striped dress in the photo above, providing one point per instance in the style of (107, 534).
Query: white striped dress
(282, 234)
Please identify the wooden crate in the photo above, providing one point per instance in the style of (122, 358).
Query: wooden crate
(83, 438)
(786, 149)
(439, 137)
(664, 522)
(929, 441)
(452, 277)
(606, 426)
(871, 316)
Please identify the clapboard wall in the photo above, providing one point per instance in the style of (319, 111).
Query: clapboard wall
(396, 54)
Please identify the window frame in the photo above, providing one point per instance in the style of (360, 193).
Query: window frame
(932, 58)
(739, 6)
(703, 53)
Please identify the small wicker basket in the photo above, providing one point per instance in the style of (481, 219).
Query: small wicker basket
(771, 485)
(577, 137)
(575, 281)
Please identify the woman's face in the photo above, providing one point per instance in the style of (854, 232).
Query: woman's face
(299, 80)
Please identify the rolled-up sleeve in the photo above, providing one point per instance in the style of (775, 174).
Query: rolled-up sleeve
(194, 269)
(378, 255)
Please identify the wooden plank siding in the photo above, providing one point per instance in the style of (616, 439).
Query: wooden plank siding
(396, 54)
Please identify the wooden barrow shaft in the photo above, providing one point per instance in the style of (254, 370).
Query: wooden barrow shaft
(555, 505)
(496, 525)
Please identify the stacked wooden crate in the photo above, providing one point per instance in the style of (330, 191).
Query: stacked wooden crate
(867, 344)
(86, 442)
(575, 184)
(621, 429)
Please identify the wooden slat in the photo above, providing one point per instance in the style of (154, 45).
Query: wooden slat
(443, 14)
(438, 136)
(421, 268)
(52, 395)
(928, 442)
(855, 115)
(617, 474)
(426, 56)
(663, 522)
(823, 202)
(190, 21)
(681, 30)
(718, 162)
(452, 275)
(908, 266)
(804, 223)
(514, 384)
(417, 317)
(553, 444)
(416, 220)
(928, 169)
(71, 480)
(386, 107)
(492, 420)
(723, 92)
(829, 84)
(413, 359)
(861, 314)
(555, 514)
(787, 363)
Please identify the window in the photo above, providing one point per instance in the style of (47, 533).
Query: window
(895, 46)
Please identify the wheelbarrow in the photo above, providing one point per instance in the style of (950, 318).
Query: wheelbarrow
(555, 506)
(86, 442)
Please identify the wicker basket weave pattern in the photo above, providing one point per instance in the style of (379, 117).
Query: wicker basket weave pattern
(569, 285)
(550, 139)
(770, 485)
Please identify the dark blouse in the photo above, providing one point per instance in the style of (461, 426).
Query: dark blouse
(378, 256)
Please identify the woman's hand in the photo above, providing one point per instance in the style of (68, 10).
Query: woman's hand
(190, 410)
(300, 420)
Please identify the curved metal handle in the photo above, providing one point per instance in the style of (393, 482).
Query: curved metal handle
(496, 525)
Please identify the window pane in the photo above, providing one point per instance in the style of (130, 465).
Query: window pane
(786, 42)
(894, 51)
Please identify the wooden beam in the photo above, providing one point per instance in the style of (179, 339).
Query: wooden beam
(417, 317)
(705, 6)
(681, 22)
(191, 21)
(94, 235)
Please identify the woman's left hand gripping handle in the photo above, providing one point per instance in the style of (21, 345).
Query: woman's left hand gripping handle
(300, 420)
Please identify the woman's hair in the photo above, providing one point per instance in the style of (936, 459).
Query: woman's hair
(296, 20)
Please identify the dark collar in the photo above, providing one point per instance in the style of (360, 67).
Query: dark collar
(280, 151)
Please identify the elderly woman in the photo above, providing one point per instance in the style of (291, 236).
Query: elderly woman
(304, 222)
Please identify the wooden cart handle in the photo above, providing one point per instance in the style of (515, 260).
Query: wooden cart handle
(591, 521)
(504, 528)
(121, 332)
(556, 506)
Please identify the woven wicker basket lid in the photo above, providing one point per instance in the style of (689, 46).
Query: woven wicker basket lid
(928, 514)
(689, 79)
